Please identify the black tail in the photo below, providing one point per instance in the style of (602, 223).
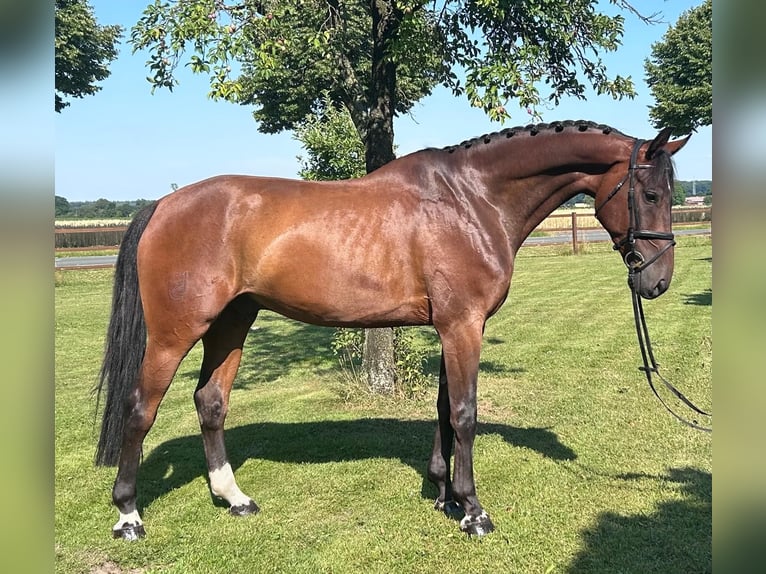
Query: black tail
(125, 342)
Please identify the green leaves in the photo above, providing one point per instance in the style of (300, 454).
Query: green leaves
(168, 29)
(83, 50)
(680, 72)
(289, 53)
(530, 52)
(334, 148)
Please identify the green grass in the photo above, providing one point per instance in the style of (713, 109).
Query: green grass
(579, 466)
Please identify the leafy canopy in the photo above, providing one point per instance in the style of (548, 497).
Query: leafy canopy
(332, 144)
(680, 72)
(83, 50)
(281, 56)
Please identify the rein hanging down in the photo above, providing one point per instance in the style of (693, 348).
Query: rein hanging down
(635, 262)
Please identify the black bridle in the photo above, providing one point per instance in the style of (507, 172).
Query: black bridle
(633, 258)
(636, 263)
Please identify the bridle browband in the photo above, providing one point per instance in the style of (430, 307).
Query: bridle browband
(636, 263)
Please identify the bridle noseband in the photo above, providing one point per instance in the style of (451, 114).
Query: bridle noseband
(636, 263)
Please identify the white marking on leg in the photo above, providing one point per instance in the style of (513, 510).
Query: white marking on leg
(223, 485)
(131, 519)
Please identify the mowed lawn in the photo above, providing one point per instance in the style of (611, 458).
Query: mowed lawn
(579, 466)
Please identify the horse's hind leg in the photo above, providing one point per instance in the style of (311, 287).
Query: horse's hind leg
(223, 350)
(157, 371)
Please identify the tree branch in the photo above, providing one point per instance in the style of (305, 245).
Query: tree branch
(653, 18)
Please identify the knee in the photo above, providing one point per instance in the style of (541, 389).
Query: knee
(212, 414)
(463, 418)
(138, 421)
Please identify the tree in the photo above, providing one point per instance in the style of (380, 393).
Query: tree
(62, 206)
(288, 53)
(702, 187)
(83, 50)
(680, 72)
(377, 58)
(679, 194)
(105, 208)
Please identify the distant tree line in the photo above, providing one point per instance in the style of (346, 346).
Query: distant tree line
(98, 209)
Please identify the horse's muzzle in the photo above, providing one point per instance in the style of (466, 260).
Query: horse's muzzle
(646, 289)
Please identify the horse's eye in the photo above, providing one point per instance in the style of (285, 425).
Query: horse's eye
(651, 196)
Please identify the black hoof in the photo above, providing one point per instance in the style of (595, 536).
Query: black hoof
(477, 525)
(244, 509)
(129, 531)
(450, 508)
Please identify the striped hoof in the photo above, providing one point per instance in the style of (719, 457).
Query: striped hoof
(244, 509)
(477, 525)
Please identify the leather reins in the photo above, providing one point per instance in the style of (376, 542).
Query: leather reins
(636, 263)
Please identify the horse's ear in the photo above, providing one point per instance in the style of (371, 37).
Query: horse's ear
(674, 146)
(661, 142)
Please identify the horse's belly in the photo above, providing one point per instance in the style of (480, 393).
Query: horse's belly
(330, 291)
(361, 310)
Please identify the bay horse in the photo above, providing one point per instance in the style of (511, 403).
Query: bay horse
(428, 239)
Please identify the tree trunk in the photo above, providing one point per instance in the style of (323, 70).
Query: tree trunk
(378, 353)
(378, 360)
(379, 144)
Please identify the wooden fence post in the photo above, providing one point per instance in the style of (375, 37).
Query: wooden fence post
(574, 232)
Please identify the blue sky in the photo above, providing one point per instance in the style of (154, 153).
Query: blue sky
(125, 143)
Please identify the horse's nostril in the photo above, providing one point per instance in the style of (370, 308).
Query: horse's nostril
(661, 286)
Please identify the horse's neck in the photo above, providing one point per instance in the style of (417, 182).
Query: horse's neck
(530, 177)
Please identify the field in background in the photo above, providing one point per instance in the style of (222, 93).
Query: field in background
(78, 223)
(558, 219)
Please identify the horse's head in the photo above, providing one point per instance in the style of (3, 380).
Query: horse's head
(633, 204)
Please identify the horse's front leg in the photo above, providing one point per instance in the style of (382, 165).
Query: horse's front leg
(461, 346)
(439, 465)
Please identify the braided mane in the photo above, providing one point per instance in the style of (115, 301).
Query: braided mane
(533, 130)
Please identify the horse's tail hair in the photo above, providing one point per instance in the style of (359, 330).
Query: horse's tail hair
(125, 343)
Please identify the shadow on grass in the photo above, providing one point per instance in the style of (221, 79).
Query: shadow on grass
(179, 461)
(704, 298)
(675, 539)
(277, 347)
